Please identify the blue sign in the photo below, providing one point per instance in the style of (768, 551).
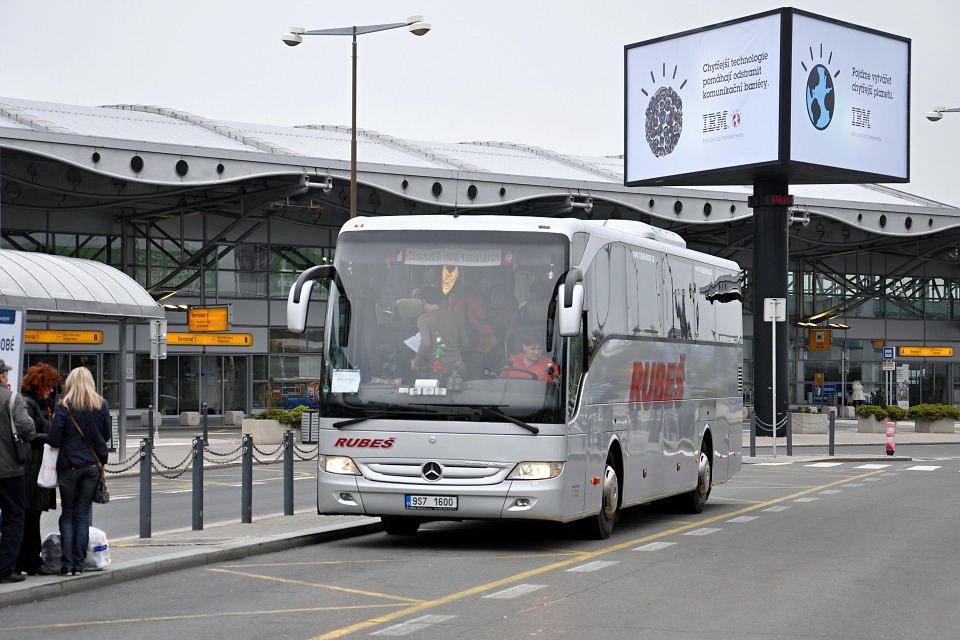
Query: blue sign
(888, 353)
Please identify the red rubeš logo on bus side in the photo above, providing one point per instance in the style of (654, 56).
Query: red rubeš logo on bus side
(364, 443)
(657, 381)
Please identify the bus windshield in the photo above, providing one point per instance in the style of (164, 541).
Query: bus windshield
(445, 325)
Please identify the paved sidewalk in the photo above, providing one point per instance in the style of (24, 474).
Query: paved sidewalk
(133, 558)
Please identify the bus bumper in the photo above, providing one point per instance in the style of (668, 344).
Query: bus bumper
(512, 499)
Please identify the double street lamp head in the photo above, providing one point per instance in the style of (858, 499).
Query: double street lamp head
(415, 24)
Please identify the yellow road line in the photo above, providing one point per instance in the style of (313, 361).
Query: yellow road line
(582, 557)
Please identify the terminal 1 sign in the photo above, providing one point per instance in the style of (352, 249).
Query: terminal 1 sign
(783, 93)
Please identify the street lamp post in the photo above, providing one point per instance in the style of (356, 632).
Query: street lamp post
(417, 27)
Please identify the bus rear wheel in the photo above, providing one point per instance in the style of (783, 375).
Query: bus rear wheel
(694, 500)
(600, 526)
(398, 526)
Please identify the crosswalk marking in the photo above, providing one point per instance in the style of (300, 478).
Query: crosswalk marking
(830, 492)
(923, 467)
(655, 546)
(593, 566)
(410, 626)
(742, 519)
(807, 499)
(825, 465)
(873, 466)
(705, 531)
(515, 592)
(777, 508)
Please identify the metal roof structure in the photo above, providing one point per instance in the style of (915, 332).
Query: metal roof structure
(56, 284)
(142, 165)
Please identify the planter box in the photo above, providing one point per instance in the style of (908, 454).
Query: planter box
(943, 425)
(810, 422)
(264, 431)
(870, 424)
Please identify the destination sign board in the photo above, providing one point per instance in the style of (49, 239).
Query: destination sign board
(928, 352)
(62, 337)
(208, 318)
(211, 339)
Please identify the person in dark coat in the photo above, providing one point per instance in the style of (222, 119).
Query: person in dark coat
(36, 386)
(13, 416)
(80, 429)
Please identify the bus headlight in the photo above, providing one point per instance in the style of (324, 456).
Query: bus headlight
(341, 465)
(536, 471)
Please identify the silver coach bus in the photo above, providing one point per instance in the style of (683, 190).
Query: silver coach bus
(641, 398)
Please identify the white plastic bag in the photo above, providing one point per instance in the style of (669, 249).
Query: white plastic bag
(98, 551)
(48, 468)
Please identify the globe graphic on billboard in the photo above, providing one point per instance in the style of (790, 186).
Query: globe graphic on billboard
(820, 97)
(664, 122)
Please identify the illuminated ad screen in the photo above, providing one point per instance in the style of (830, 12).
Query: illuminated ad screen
(704, 101)
(849, 99)
(729, 103)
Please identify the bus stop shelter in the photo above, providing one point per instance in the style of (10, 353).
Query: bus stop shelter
(50, 287)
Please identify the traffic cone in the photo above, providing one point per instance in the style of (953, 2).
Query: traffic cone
(891, 438)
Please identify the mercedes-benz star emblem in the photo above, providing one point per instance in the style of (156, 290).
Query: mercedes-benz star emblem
(431, 471)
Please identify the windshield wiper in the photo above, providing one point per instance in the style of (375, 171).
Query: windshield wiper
(491, 409)
(520, 423)
(379, 414)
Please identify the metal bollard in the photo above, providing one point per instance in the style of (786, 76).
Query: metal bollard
(753, 435)
(206, 438)
(146, 481)
(891, 438)
(198, 445)
(246, 481)
(789, 435)
(833, 433)
(288, 473)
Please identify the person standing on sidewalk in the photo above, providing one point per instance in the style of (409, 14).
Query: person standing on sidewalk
(11, 476)
(80, 429)
(37, 385)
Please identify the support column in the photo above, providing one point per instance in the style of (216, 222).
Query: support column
(770, 203)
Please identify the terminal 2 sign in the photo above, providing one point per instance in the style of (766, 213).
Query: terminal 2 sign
(783, 93)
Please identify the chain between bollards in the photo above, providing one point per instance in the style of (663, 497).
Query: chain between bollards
(198, 445)
(246, 480)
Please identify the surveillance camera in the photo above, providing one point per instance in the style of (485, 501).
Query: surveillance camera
(933, 116)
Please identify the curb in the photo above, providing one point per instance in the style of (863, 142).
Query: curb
(148, 567)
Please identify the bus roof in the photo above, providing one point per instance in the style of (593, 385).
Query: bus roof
(622, 230)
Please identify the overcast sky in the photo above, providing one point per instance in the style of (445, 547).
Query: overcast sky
(547, 73)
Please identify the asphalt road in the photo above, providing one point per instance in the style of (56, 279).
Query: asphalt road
(804, 550)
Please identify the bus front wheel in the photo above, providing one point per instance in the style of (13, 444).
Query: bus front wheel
(600, 526)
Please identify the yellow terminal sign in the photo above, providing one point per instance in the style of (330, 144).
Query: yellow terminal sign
(63, 337)
(208, 318)
(928, 352)
(211, 339)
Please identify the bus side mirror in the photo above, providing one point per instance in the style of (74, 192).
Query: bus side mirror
(569, 316)
(297, 309)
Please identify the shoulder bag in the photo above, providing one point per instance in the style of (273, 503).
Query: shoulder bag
(102, 494)
(21, 448)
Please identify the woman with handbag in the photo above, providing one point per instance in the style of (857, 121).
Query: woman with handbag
(36, 386)
(80, 429)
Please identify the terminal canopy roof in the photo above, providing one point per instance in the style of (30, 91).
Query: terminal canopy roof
(47, 283)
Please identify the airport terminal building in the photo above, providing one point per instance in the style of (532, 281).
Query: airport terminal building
(214, 220)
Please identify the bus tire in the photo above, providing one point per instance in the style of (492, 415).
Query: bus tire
(399, 526)
(600, 526)
(694, 501)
